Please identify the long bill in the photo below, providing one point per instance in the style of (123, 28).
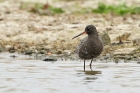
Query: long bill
(79, 34)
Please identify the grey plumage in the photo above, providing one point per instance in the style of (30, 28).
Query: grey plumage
(91, 46)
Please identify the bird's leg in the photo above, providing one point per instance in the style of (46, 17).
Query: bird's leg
(84, 65)
(91, 64)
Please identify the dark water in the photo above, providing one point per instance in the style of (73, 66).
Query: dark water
(25, 75)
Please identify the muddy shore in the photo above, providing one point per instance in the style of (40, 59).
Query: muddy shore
(28, 33)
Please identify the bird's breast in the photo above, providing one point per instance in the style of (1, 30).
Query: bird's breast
(91, 48)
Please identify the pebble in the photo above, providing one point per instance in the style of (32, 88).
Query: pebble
(48, 47)
(68, 52)
(128, 57)
(116, 60)
(1, 49)
(7, 47)
(59, 51)
(28, 52)
(42, 52)
(50, 59)
(138, 62)
(12, 50)
(136, 41)
(108, 28)
(13, 56)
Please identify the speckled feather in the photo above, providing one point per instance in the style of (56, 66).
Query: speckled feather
(87, 50)
(90, 47)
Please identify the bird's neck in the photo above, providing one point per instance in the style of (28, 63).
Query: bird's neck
(95, 35)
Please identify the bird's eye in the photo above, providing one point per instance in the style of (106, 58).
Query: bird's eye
(90, 28)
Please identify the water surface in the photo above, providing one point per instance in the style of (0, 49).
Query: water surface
(26, 75)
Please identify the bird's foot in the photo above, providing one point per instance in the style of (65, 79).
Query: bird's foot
(90, 67)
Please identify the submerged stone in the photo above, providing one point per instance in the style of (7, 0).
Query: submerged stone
(13, 56)
(50, 59)
(138, 62)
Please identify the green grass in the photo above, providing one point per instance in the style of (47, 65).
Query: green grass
(56, 10)
(42, 9)
(45, 9)
(120, 9)
(1, 1)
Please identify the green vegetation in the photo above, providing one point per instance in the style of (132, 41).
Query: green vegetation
(46, 9)
(82, 10)
(1, 1)
(42, 9)
(120, 9)
(56, 10)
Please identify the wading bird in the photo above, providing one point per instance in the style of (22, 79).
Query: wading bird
(91, 46)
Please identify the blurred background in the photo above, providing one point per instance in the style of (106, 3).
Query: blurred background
(48, 25)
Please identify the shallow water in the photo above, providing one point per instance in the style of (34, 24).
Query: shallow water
(26, 75)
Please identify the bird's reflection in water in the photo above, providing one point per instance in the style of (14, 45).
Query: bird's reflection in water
(92, 72)
(91, 75)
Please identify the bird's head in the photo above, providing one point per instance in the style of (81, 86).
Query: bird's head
(90, 29)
